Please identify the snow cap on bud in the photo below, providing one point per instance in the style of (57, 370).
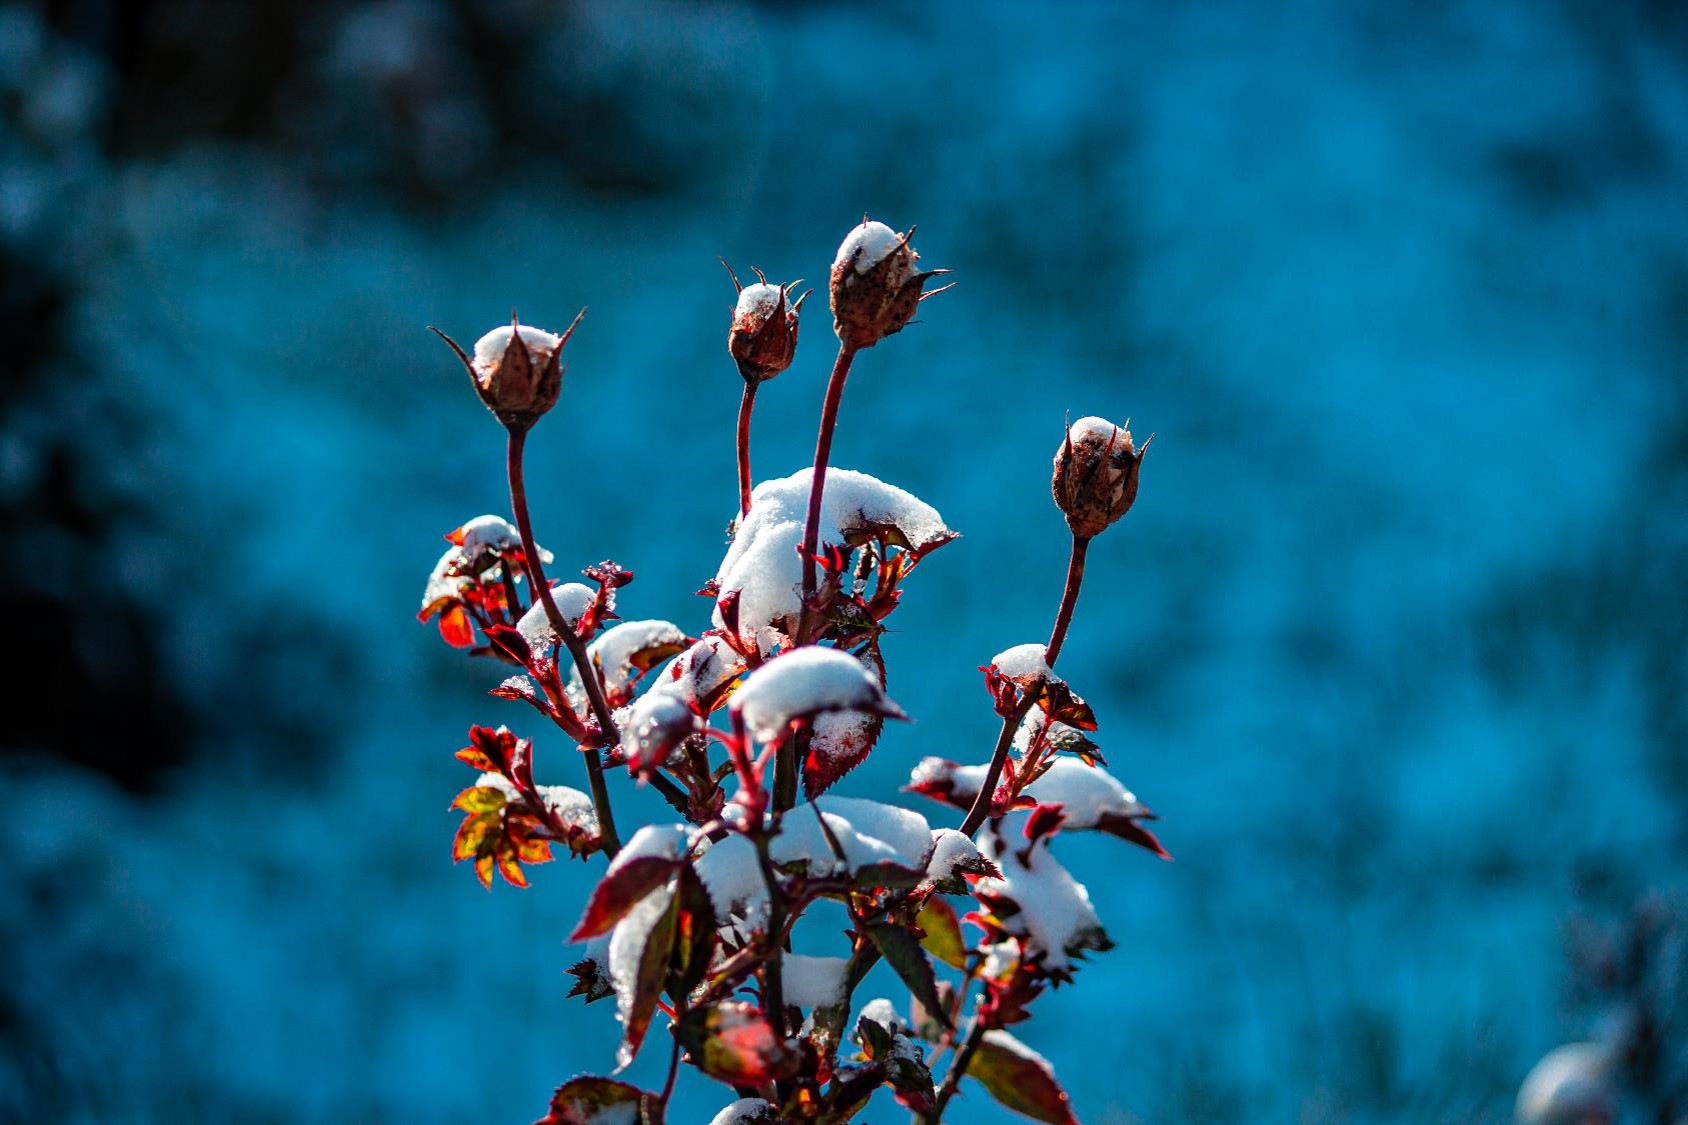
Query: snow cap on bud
(875, 286)
(517, 370)
(763, 337)
(1095, 478)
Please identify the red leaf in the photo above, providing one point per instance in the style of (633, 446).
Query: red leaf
(621, 888)
(456, 628)
(732, 1042)
(590, 1101)
(1020, 1079)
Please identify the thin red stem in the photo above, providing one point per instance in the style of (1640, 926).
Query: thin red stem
(817, 483)
(1069, 598)
(977, 815)
(542, 591)
(746, 404)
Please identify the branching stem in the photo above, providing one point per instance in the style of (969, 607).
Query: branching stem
(577, 649)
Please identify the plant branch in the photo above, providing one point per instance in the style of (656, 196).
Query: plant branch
(1069, 598)
(542, 591)
(1011, 725)
(817, 482)
(958, 1067)
(773, 992)
(746, 404)
(982, 802)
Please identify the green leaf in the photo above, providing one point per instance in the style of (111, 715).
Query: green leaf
(943, 932)
(1020, 1079)
(479, 799)
(902, 951)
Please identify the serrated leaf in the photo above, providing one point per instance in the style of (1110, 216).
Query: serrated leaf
(732, 1042)
(594, 1101)
(646, 934)
(943, 932)
(902, 952)
(1020, 1079)
(621, 888)
(479, 799)
(472, 835)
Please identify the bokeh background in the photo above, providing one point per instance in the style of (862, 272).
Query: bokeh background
(1394, 639)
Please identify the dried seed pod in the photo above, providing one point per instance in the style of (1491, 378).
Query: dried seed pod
(875, 286)
(1095, 477)
(517, 371)
(763, 337)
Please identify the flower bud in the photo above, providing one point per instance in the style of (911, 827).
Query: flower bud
(1095, 478)
(517, 371)
(875, 286)
(763, 337)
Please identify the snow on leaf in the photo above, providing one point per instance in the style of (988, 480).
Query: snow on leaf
(653, 727)
(1038, 901)
(730, 873)
(641, 946)
(876, 839)
(623, 886)
(954, 857)
(806, 682)
(573, 600)
(813, 982)
(602, 1101)
(1091, 797)
(763, 566)
(732, 1042)
(625, 652)
(703, 675)
(1020, 1079)
(747, 1111)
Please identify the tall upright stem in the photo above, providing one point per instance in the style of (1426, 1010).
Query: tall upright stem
(980, 810)
(577, 649)
(817, 482)
(1069, 598)
(745, 405)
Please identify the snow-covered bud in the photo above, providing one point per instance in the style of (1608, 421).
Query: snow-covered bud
(875, 286)
(517, 371)
(763, 337)
(1095, 478)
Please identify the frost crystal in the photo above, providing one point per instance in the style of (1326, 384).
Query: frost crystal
(806, 682)
(763, 565)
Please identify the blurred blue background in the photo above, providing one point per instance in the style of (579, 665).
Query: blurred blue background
(1394, 639)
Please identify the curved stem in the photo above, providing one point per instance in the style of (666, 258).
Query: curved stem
(746, 404)
(1069, 598)
(773, 993)
(982, 802)
(817, 481)
(542, 591)
(1063, 618)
